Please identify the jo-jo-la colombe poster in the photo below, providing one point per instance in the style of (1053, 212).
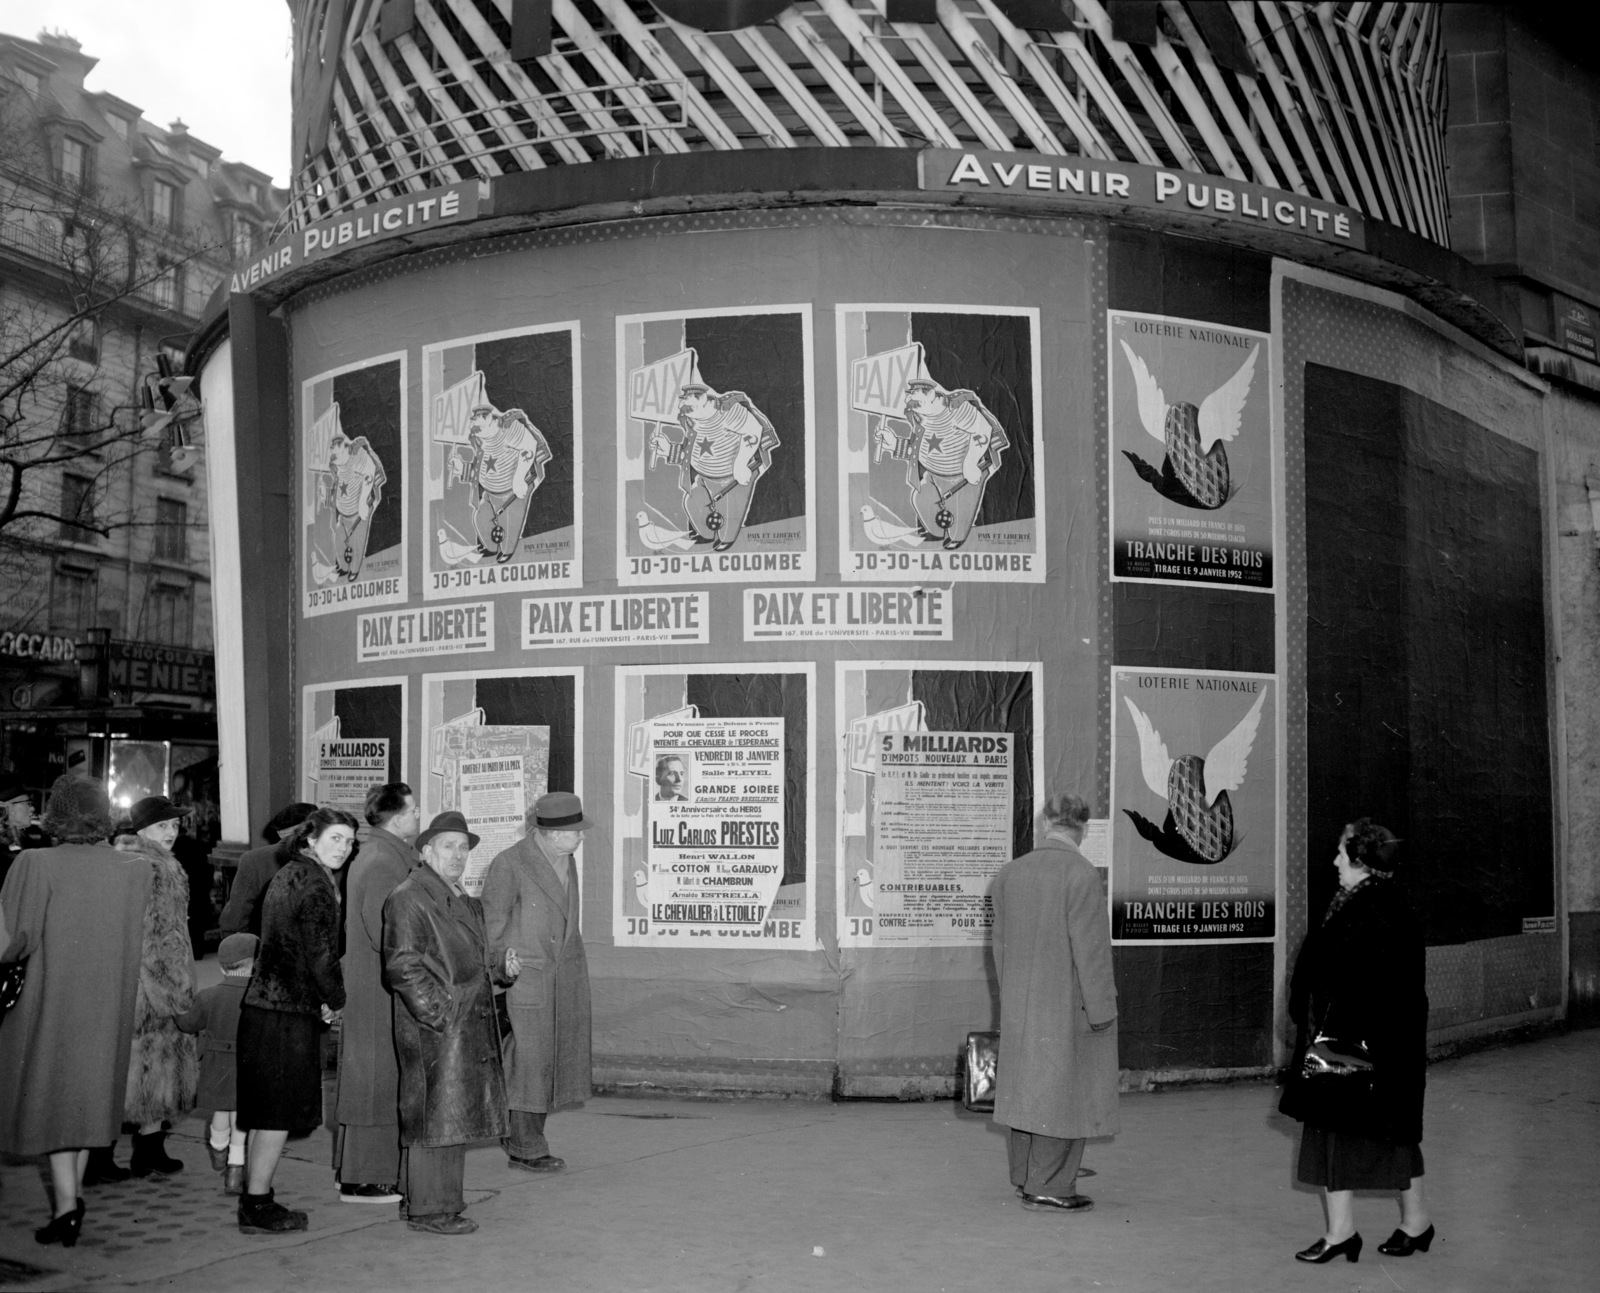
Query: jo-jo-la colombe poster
(1192, 448)
(352, 487)
(501, 458)
(715, 480)
(940, 443)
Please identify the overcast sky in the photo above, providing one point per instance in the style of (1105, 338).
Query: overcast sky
(221, 65)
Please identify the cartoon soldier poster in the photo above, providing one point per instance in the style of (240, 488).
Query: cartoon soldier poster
(1194, 806)
(352, 476)
(715, 475)
(940, 426)
(1191, 452)
(501, 448)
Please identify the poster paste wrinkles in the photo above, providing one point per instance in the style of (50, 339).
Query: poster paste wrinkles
(1192, 447)
(716, 434)
(353, 495)
(1194, 804)
(501, 457)
(940, 426)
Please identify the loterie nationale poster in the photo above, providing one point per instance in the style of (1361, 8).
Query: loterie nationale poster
(713, 807)
(352, 487)
(1194, 805)
(1192, 450)
(716, 447)
(940, 443)
(501, 461)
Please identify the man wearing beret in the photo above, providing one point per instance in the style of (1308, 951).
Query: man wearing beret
(436, 961)
(531, 904)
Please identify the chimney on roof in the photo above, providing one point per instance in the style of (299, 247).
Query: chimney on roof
(60, 40)
(178, 128)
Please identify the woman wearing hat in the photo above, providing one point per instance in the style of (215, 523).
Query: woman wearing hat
(76, 916)
(298, 987)
(165, 1068)
(1359, 981)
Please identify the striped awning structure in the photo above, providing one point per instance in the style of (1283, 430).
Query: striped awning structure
(1339, 101)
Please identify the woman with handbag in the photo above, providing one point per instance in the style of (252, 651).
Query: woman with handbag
(1359, 999)
(297, 988)
(75, 914)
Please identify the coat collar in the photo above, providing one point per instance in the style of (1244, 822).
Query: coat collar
(436, 886)
(543, 870)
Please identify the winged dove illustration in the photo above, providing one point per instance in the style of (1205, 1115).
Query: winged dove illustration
(453, 553)
(1195, 471)
(887, 533)
(864, 885)
(1199, 825)
(658, 538)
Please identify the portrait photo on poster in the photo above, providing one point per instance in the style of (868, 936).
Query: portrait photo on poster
(495, 741)
(1192, 448)
(1194, 806)
(352, 495)
(501, 457)
(714, 806)
(716, 446)
(940, 443)
(938, 783)
(353, 738)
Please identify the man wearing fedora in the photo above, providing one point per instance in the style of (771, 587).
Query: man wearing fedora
(436, 960)
(531, 904)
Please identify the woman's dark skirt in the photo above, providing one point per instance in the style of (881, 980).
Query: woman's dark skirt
(280, 1070)
(1336, 1160)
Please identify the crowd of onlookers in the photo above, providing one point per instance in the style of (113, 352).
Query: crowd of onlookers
(457, 1021)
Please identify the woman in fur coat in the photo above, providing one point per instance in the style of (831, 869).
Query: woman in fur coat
(165, 1069)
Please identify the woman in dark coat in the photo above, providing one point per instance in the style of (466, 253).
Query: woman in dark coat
(76, 915)
(1361, 978)
(297, 988)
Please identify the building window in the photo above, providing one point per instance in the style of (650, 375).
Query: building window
(168, 621)
(72, 600)
(26, 79)
(78, 416)
(77, 508)
(172, 530)
(118, 124)
(201, 165)
(164, 288)
(74, 162)
(163, 205)
(83, 342)
(244, 238)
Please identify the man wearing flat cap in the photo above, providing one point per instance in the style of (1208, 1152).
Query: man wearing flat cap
(531, 905)
(436, 961)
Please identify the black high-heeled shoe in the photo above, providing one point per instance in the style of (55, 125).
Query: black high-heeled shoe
(1323, 1251)
(63, 1230)
(1401, 1244)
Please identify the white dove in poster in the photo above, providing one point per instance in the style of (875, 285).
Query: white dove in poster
(864, 885)
(658, 538)
(1192, 436)
(1194, 788)
(640, 879)
(453, 553)
(887, 533)
(321, 571)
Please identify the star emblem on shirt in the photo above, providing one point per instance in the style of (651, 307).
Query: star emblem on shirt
(705, 444)
(933, 443)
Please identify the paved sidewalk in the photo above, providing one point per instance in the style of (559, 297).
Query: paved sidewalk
(1196, 1194)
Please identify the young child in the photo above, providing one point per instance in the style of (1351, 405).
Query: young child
(215, 1016)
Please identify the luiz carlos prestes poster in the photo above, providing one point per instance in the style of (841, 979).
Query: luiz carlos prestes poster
(1192, 450)
(1194, 806)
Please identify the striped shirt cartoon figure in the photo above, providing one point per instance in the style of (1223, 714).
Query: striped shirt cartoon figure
(955, 446)
(726, 449)
(509, 457)
(357, 479)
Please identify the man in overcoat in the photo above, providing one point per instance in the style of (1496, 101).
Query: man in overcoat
(242, 912)
(437, 962)
(1057, 1077)
(531, 904)
(366, 1146)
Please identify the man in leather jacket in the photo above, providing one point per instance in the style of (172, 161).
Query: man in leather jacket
(452, 1088)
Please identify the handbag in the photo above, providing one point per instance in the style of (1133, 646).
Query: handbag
(1329, 1057)
(982, 1064)
(12, 976)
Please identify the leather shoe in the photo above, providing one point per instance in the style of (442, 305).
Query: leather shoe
(219, 1157)
(443, 1223)
(1322, 1251)
(1057, 1203)
(233, 1178)
(1401, 1244)
(544, 1163)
